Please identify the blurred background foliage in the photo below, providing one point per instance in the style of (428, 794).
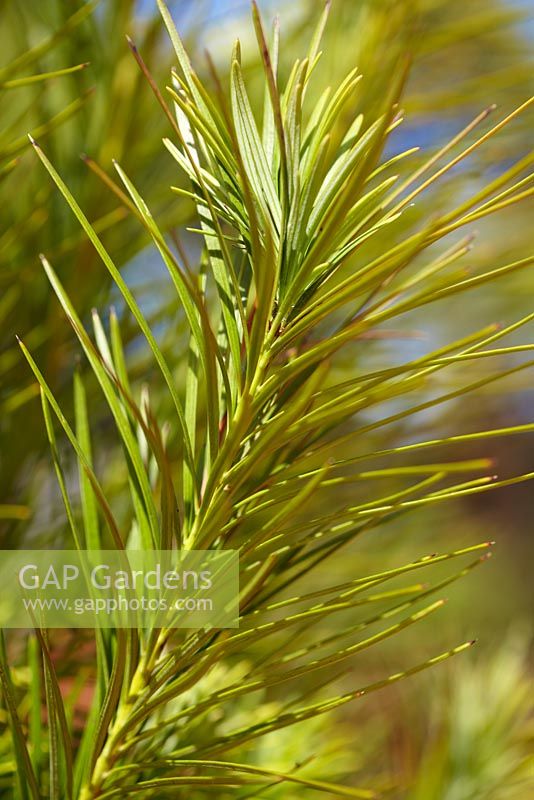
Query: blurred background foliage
(463, 733)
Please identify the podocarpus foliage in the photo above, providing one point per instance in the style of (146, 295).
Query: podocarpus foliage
(263, 435)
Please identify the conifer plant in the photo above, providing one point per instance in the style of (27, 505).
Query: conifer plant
(261, 443)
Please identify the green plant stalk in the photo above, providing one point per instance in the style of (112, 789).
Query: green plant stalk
(143, 671)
